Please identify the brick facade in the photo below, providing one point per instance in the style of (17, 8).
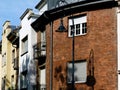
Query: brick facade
(101, 38)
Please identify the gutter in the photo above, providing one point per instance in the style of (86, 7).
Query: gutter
(51, 56)
(69, 9)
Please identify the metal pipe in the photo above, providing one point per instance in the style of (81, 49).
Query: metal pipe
(73, 49)
(51, 54)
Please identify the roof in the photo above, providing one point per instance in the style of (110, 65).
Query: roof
(41, 4)
(12, 27)
(33, 16)
(13, 35)
(26, 11)
(6, 22)
(53, 14)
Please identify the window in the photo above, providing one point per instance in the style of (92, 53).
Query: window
(80, 71)
(42, 73)
(80, 26)
(23, 82)
(25, 45)
(3, 83)
(12, 81)
(43, 36)
(4, 59)
(13, 55)
(4, 31)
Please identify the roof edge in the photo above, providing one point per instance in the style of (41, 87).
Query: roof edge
(69, 9)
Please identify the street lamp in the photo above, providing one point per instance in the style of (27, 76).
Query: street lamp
(73, 41)
(61, 28)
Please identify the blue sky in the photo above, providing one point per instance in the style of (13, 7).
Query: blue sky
(12, 10)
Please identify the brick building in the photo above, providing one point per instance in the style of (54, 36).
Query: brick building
(93, 47)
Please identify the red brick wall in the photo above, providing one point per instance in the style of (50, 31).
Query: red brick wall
(101, 38)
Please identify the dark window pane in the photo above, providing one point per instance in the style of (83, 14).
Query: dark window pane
(77, 29)
(71, 29)
(84, 28)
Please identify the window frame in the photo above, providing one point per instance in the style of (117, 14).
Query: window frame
(13, 55)
(12, 81)
(78, 20)
(4, 59)
(24, 44)
(68, 72)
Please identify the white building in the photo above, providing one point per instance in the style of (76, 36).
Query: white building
(42, 6)
(27, 65)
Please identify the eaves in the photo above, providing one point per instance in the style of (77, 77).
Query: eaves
(53, 14)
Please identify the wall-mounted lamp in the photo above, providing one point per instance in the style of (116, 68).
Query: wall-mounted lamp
(61, 28)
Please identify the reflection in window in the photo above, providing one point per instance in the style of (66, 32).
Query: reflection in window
(80, 71)
(25, 45)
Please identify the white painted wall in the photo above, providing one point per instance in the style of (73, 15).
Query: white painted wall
(27, 30)
(118, 38)
(43, 9)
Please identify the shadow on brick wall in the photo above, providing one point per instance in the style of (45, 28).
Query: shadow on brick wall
(61, 76)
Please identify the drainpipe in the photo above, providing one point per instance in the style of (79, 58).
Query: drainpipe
(51, 55)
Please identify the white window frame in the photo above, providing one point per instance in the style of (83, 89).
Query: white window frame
(42, 73)
(77, 21)
(80, 71)
(42, 76)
